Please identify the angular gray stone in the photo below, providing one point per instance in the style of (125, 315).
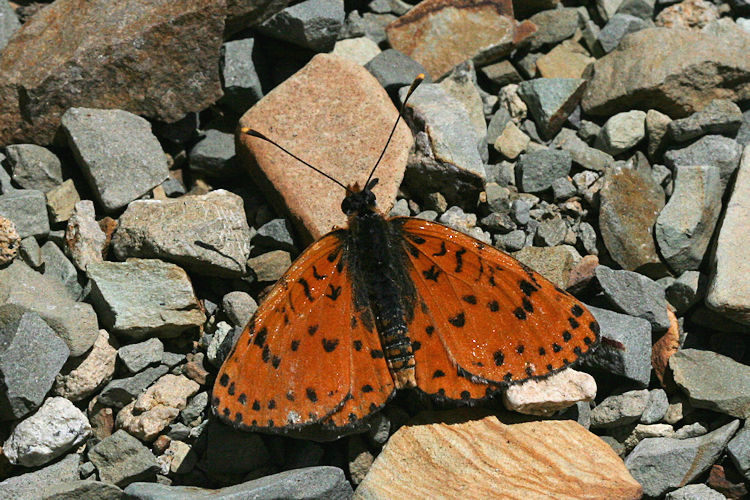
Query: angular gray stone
(695, 492)
(743, 134)
(660, 464)
(231, 451)
(656, 408)
(729, 288)
(31, 355)
(307, 483)
(84, 238)
(84, 488)
(206, 234)
(242, 86)
(238, 307)
(620, 409)
(657, 126)
(120, 392)
(312, 24)
(214, 155)
(551, 100)
(55, 428)
(9, 23)
(739, 450)
(511, 242)
(686, 291)
(584, 155)
(270, 266)
(553, 26)
(394, 69)
(617, 27)
(638, 8)
(122, 459)
(461, 84)
(34, 167)
(622, 132)
(539, 169)
(551, 232)
(275, 235)
(74, 322)
(713, 381)
(501, 73)
(24, 486)
(636, 295)
(31, 253)
(144, 297)
(626, 349)
(685, 225)
(721, 116)
(27, 209)
(119, 167)
(562, 189)
(57, 266)
(138, 356)
(714, 150)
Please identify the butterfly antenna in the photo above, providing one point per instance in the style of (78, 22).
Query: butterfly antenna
(255, 133)
(414, 85)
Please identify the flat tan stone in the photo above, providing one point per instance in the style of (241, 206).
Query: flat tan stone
(567, 60)
(488, 459)
(335, 115)
(440, 34)
(551, 394)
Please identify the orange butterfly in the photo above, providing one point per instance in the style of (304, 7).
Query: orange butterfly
(395, 303)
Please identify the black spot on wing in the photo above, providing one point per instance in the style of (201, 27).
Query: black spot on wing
(311, 395)
(334, 292)
(312, 329)
(573, 323)
(256, 405)
(519, 313)
(317, 275)
(442, 251)
(470, 299)
(429, 330)
(527, 288)
(493, 305)
(329, 345)
(458, 320)
(576, 311)
(376, 354)
(499, 358)
(438, 374)
(566, 336)
(357, 345)
(295, 345)
(231, 389)
(432, 273)
(260, 337)
(224, 380)
(367, 388)
(242, 399)
(460, 260)
(306, 288)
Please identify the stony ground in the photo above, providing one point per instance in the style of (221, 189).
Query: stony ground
(602, 142)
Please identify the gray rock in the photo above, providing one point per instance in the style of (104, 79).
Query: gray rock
(397, 7)
(685, 225)
(57, 266)
(636, 295)
(643, 9)
(61, 201)
(739, 451)
(497, 124)
(275, 235)
(394, 69)
(713, 381)
(31, 355)
(31, 253)
(620, 409)
(588, 130)
(461, 84)
(242, 86)
(89, 488)
(498, 222)
(562, 189)
(553, 26)
(660, 464)
(172, 359)
(617, 27)
(27, 209)
(511, 242)
(55, 428)
(312, 24)
(27, 485)
(551, 100)
(74, 322)
(622, 132)
(85, 240)
(501, 73)
(721, 116)
(173, 187)
(120, 392)
(712, 150)
(626, 347)
(34, 167)
(195, 408)
(551, 232)
(239, 307)
(5, 183)
(607, 8)
(538, 170)
(8, 23)
(122, 459)
(587, 237)
(138, 356)
(369, 24)
(214, 155)
(119, 167)
(729, 288)
(207, 234)
(656, 408)
(657, 125)
(144, 297)
(308, 483)
(270, 266)
(231, 451)
(695, 492)
(686, 291)
(582, 154)
(743, 134)
(400, 209)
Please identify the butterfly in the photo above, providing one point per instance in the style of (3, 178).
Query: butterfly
(393, 303)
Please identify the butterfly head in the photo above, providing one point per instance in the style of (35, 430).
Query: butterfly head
(359, 200)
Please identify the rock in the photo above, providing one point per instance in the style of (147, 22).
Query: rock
(721, 116)
(694, 492)
(636, 295)
(442, 35)
(563, 189)
(464, 222)
(551, 232)
(88, 488)
(643, 431)
(155, 409)
(738, 450)
(275, 234)
(239, 307)
(119, 167)
(630, 203)
(442, 459)
(370, 24)
(144, 297)
(312, 24)
(539, 169)
(121, 459)
(242, 86)
(270, 266)
(622, 132)
(685, 225)
(551, 100)
(54, 429)
(361, 50)
(89, 372)
(360, 459)
(511, 242)
(664, 348)
(9, 23)
(328, 86)
(657, 129)
(57, 266)
(554, 263)
(31, 483)
(626, 347)
(74, 322)
(553, 26)
(660, 464)
(194, 368)
(207, 234)
(231, 451)
(61, 200)
(138, 356)
(309, 482)
(688, 14)
(120, 392)
(567, 60)
(214, 155)
(713, 150)
(84, 237)
(123, 49)
(27, 209)
(461, 84)
(669, 81)
(501, 73)
(31, 355)
(729, 287)
(617, 28)
(656, 408)
(620, 409)
(182, 457)
(582, 154)
(394, 70)
(194, 410)
(34, 167)
(10, 241)
(547, 396)
(686, 291)
(713, 381)
(511, 142)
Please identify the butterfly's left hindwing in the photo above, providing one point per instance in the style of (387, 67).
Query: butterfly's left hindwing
(306, 356)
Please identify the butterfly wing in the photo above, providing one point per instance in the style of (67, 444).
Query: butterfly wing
(304, 357)
(484, 316)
